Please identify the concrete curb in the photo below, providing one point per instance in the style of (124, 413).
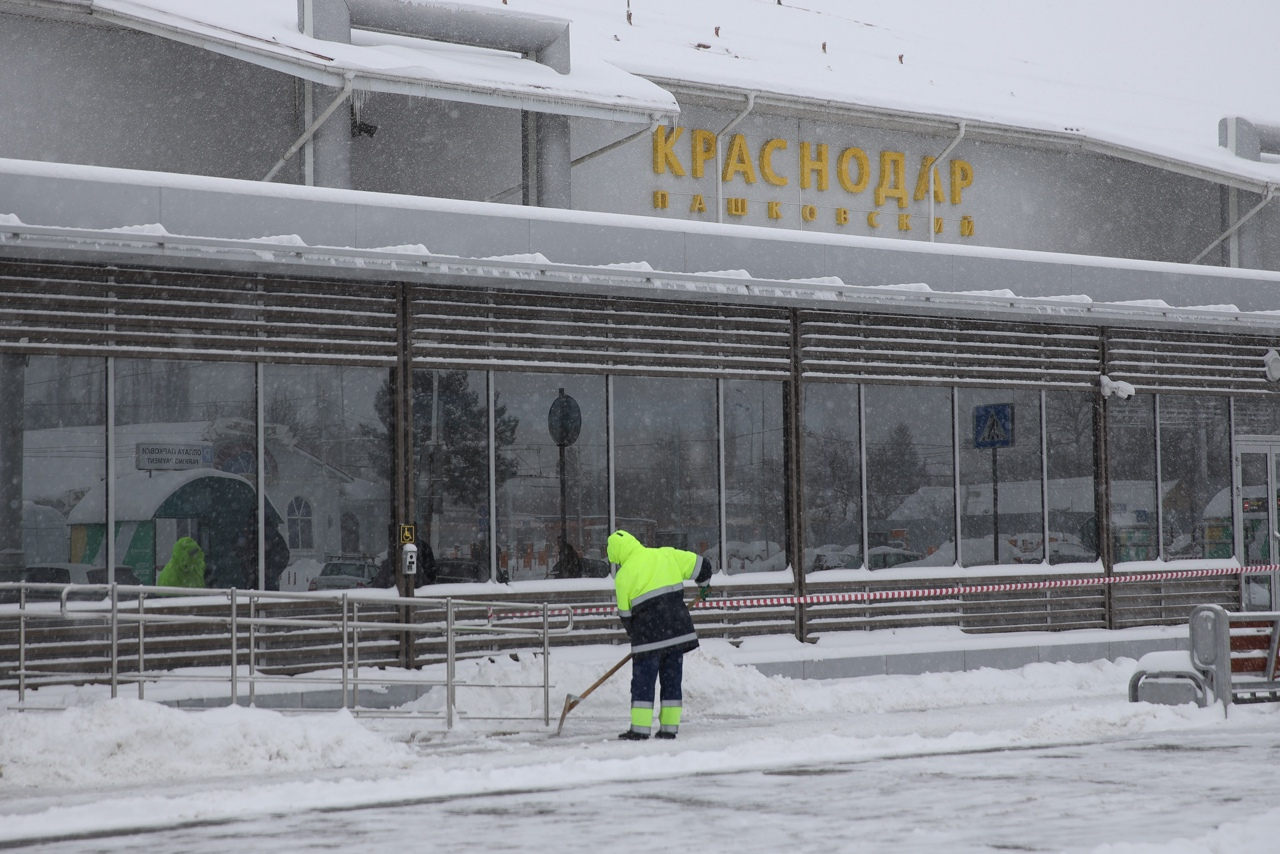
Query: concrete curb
(953, 660)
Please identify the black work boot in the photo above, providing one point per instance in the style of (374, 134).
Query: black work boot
(670, 736)
(632, 735)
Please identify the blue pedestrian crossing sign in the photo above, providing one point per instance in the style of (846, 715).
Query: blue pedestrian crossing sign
(993, 425)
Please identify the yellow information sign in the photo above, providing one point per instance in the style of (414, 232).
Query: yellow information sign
(407, 535)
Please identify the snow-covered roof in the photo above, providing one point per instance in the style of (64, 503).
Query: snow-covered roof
(265, 32)
(1140, 77)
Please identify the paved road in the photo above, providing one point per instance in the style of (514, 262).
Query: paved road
(1149, 789)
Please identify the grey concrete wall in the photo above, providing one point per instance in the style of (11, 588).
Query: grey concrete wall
(997, 657)
(1020, 197)
(75, 93)
(95, 95)
(438, 148)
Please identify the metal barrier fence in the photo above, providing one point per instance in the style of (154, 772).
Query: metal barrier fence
(150, 633)
(245, 624)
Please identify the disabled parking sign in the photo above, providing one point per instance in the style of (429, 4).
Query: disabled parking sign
(993, 425)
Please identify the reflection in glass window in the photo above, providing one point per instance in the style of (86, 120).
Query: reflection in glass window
(451, 462)
(755, 519)
(910, 478)
(1073, 522)
(667, 461)
(529, 497)
(1131, 462)
(1257, 416)
(832, 477)
(328, 443)
(1002, 497)
(181, 430)
(1195, 468)
(63, 456)
(299, 524)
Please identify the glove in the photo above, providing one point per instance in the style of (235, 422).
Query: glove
(703, 591)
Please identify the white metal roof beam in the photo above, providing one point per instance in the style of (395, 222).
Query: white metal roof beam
(317, 68)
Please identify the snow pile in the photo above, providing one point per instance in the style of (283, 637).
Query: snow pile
(1255, 834)
(125, 741)
(714, 688)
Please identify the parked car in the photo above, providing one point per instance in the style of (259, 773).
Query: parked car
(883, 557)
(345, 574)
(64, 573)
(454, 570)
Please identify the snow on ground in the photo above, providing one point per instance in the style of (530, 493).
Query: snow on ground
(116, 767)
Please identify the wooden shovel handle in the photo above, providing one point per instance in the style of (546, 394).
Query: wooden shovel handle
(603, 679)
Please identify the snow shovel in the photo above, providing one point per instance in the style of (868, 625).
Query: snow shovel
(571, 701)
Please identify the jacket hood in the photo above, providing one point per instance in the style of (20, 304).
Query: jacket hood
(186, 547)
(622, 546)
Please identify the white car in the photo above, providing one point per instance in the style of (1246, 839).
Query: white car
(345, 575)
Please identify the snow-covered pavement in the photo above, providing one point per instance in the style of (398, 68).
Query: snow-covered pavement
(1050, 757)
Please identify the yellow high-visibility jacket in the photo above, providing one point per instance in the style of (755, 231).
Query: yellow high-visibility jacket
(649, 587)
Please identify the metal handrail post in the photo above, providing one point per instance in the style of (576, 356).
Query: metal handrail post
(344, 652)
(253, 649)
(546, 666)
(448, 666)
(115, 642)
(355, 650)
(234, 663)
(22, 645)
(142, 637)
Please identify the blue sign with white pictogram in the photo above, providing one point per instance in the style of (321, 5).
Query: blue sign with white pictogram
(993, 425)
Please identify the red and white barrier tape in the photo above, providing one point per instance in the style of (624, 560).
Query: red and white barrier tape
(921, 593)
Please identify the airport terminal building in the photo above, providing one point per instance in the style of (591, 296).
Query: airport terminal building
(311, 270)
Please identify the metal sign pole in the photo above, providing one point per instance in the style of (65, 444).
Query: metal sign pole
(995, 510)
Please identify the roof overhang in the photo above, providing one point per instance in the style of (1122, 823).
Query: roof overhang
(399, 65)
(290, 258)
(975, 129)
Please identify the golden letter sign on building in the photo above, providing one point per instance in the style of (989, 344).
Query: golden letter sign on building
(813, 166)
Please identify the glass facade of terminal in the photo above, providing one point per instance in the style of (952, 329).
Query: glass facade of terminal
(913, 476)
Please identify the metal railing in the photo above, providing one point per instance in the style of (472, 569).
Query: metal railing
(247, 621)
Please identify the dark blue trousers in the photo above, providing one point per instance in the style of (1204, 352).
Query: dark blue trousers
(648, 667)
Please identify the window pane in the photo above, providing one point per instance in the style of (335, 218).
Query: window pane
(328, 458)
(1073, 522)
(1001, 477)
(529, 492)
(185, 440)
(63, 457)
(1131, 461)
(1195, 468)
(832, 477)
(1257, 416)
(755, 520)
(667, 461)
(910, 478)
(451, 462)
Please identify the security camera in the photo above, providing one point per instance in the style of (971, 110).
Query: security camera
(1119, 388)
(1272, 362)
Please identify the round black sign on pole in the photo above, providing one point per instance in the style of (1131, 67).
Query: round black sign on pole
(564, 420)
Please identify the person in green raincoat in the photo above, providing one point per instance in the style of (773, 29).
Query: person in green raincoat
(185, 568)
